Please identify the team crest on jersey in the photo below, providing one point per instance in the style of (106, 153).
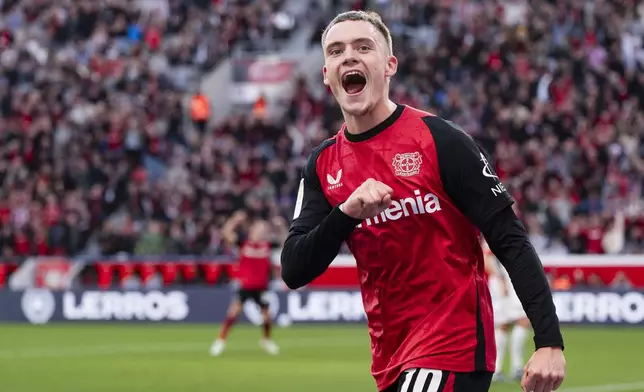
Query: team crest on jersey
(407, 164)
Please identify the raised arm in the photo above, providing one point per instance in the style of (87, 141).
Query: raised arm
(316, 233)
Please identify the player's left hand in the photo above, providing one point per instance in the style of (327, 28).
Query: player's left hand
(545, 371)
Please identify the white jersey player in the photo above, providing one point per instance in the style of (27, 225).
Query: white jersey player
(508, 313)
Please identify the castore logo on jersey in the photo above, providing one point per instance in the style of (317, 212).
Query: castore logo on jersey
(334, 182)
(402, 208)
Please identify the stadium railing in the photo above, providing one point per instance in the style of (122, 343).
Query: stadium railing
(342, 271)
(110, 272)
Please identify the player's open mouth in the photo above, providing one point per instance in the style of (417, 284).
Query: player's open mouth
(354, 82)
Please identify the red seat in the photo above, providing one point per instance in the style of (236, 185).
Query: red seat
(124, 270)
(169, 270)
(189, 270)
(147, 270)
(212, 272)
(104, 273)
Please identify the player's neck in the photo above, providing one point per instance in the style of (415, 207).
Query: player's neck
(360, 124)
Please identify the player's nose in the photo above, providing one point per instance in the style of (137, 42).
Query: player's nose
(349, 58)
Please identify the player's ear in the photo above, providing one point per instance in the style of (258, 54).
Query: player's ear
(325, 79)
(392, 66)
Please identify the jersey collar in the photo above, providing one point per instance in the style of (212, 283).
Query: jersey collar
(377, 129)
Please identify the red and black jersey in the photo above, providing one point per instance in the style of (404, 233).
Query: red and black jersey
(420, 262)
(254, 265)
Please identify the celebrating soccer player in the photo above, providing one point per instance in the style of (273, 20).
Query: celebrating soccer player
(254, 274)
(409, 192)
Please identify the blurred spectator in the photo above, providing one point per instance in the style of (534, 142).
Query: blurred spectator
(562, 283)
(151, 241)
(95, 147)
(595, 282)
(555, 91)
(200, 111)
(621, 282)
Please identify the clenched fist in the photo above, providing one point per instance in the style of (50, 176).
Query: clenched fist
(369, 200)
(545, 371)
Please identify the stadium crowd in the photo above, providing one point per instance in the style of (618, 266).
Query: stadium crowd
(96, 156)
(91, 117)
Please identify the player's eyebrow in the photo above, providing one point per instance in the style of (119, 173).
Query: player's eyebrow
(358, 41)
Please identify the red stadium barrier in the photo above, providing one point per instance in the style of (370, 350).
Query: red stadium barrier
(343, 273)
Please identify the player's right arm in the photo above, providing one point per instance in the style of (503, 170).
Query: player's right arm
(318, 229)
(316, 233)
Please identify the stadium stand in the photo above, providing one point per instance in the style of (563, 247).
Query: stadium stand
(101, 155)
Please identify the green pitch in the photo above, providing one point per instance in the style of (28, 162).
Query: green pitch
(164, 358)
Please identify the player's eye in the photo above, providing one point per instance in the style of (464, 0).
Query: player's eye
(334, 52)
(364, 48)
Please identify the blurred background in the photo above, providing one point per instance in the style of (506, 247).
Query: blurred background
(131, 130)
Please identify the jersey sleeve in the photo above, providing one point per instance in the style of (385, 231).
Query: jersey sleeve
(467, 176)
(317, 231)
(509, 241)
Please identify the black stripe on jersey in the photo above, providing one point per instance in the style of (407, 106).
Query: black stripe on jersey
(479, 351)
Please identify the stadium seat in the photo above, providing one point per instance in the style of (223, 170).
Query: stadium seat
(212, 272)
(104, 272)
(188, 270)
(232, 270)
(169, 271)
(146, 270)
(124, 270)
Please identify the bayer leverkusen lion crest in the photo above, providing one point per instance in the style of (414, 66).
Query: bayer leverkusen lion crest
(407, 164)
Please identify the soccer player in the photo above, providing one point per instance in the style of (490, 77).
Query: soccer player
(409, 192)
(254, 274)
(508, 313)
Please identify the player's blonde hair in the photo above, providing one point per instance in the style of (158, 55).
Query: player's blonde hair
(366, 16)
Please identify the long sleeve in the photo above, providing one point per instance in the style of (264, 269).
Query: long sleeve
(317, 231)
(476, 190)
(509, 242)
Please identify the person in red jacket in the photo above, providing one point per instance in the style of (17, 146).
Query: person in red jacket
(254, 273)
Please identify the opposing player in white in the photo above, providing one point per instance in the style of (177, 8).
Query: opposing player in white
(508, 313)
